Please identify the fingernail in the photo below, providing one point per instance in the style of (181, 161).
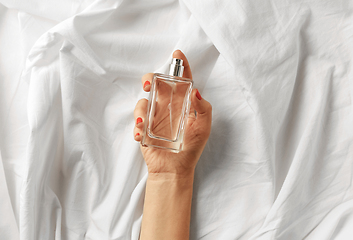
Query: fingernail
(198, 95)
(138, 120)
(137, 134)
(146, 84)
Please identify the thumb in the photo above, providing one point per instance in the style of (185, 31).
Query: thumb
(203, 109)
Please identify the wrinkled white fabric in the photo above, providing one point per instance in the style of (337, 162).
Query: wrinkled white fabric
(279, 161)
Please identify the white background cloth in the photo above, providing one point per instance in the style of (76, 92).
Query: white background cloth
(279, 161)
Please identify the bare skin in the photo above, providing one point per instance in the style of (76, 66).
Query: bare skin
(169, 186)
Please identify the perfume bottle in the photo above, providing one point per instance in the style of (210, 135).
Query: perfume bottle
(168, 109)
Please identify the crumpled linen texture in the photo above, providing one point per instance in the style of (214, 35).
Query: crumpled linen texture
(279, 160)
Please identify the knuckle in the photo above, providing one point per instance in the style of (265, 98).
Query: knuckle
(147, 76)
(140, 105)
(140, 102)
(209, 107)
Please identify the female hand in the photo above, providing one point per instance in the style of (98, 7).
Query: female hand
(197, 131)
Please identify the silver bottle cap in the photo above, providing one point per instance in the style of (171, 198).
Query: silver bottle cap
(176, 67)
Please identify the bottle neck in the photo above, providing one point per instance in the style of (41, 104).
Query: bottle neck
(176, 68)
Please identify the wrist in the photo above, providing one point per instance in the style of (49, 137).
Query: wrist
(171, 176)
(167, 206)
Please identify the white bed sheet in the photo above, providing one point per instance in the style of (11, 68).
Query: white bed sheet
(279, 161)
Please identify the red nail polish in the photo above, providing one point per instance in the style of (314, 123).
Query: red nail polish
(146, 84)
(137, 134)
(198, 95)
(138, 120)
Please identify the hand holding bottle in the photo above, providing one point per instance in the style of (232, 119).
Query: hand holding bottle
(197, 130)
(169, 186)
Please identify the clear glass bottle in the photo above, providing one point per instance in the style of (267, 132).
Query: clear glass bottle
(168, 109)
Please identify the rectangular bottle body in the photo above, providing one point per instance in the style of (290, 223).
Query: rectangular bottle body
(167, 112)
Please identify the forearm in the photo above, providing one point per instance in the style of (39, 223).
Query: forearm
(167, 207)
